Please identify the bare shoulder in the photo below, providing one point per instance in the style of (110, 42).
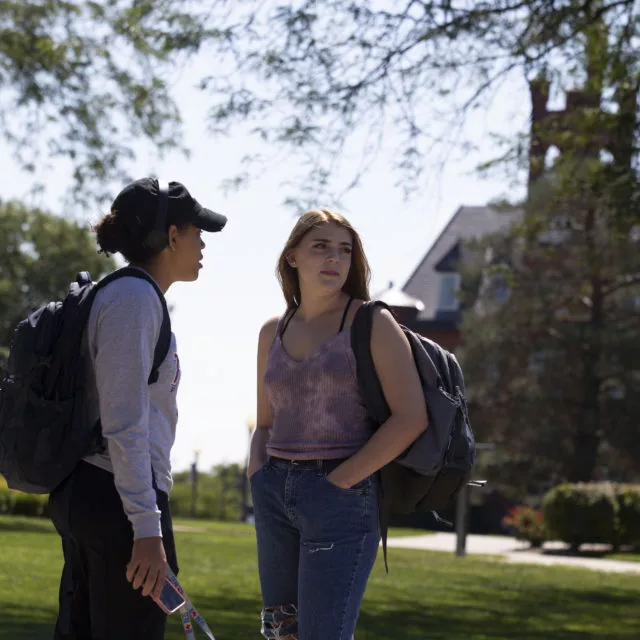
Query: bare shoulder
(386, 334)
(268, 330)
(384, 321)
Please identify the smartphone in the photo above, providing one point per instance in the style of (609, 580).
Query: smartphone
(170, 599)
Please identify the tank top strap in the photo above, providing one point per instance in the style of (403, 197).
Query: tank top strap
(344, 315)
(283, 323)
(284, 320)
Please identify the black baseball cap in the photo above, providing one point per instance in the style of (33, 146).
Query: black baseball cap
(140, 199)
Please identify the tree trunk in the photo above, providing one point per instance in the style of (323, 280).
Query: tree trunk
(588, 431)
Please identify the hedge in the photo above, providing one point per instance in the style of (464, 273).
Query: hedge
(211, 502)
(22, 504)
(597, 512)
(628, 514)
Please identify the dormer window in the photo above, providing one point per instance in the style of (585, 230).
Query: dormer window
(448, 295)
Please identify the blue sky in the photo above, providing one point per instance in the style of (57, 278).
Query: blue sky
(217, 319)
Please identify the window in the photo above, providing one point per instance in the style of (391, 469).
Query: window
(615, 389)
(449, 286)
(498, 289)
(537, 361)
(554, 237)
(559, 231)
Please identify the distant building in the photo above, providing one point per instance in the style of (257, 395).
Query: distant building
(429, 301)
(436, 280)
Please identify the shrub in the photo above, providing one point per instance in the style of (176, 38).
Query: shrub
(218, 497)
(27, 504)
(7, 499)
(211, 504)
(21, 504)
(578, 513)
(628, 497)
(180, 501)
(527, 524)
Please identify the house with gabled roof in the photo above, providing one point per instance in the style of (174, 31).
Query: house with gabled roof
(429, 302)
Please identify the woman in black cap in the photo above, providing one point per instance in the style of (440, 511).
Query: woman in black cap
(113, 512)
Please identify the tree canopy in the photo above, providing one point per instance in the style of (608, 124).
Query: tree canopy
(82, 81)
(40, 255)
(552, 343)
(313, 77)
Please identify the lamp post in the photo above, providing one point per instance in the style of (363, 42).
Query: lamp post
(194, 482)
(251, 424)
(462, 506)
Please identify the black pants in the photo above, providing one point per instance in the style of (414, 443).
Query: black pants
(96, 600)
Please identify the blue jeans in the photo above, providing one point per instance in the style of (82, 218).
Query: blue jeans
(317, 544)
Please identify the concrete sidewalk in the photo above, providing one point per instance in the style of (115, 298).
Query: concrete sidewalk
(513, 551)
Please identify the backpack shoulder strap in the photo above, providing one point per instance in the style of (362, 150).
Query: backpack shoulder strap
(164, 339)
(455, 372)
(440, 360)
(423, 356)
(372, 394)
(163, 345)
(368, 382)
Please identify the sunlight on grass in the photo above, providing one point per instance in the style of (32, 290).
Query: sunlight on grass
(426, 595)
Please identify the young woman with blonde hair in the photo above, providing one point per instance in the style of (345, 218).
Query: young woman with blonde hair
(315, 451)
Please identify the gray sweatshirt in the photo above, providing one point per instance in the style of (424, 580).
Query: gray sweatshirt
(138, 420)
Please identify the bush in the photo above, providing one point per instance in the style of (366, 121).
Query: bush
(219, 495)
(527, 524)
(27, 504)
(607, 513)
(21, 504)
(628, 497)
(180, 501)
(7, 500)
(579, 513)
(210, 502)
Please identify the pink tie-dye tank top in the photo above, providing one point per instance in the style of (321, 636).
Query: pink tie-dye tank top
(317, 409)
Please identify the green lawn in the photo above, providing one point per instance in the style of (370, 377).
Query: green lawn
(427, 596)
(627, 557)
(401, 532)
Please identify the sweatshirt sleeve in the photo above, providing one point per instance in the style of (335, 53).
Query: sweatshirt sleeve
(126, 331)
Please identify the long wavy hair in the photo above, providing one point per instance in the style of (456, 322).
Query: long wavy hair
(357, 283)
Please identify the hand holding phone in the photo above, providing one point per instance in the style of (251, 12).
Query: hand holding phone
(170, 599)
(148, 563)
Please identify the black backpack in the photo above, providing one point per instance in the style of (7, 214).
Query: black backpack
(431, 472)
(43, 435)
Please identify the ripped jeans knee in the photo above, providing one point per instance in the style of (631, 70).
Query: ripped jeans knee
(280, 623)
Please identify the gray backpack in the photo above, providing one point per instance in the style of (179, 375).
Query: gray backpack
(431, 472)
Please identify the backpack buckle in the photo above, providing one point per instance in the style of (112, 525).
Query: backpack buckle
(83, 277)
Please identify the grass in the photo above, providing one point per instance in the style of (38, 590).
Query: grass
(194, 526)
(627, 557)
(426, 596)
(403, 532)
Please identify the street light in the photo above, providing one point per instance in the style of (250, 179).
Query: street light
(251, 425)
(462, 505)
(194, 482)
